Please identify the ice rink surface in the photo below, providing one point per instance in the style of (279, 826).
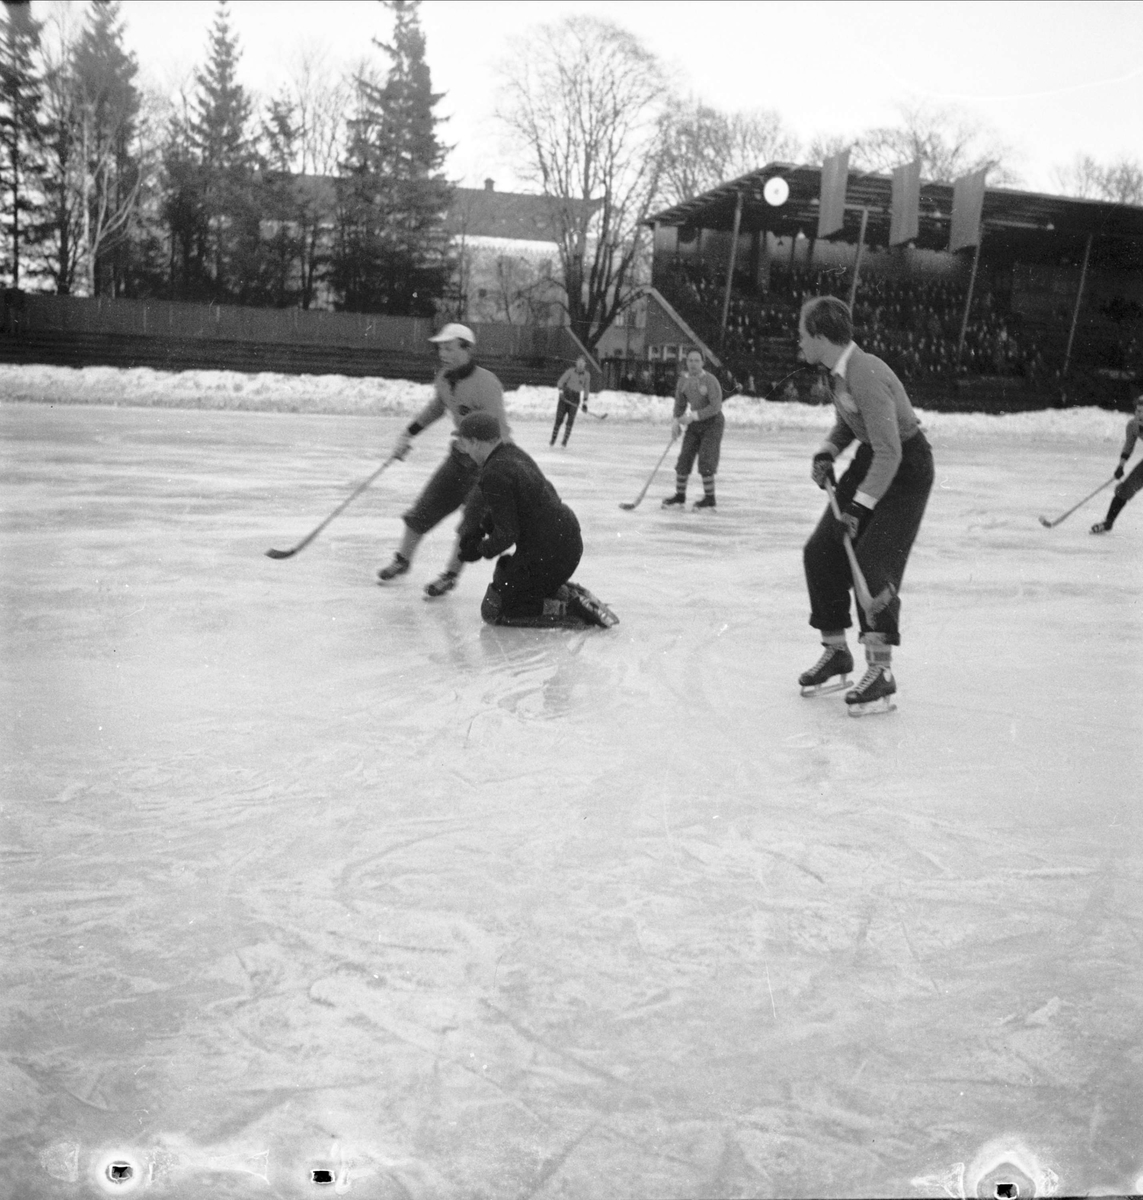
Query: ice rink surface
(312, 886)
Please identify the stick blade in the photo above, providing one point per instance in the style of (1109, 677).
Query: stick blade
(1045, 522)
(280, 553)
(627, 506)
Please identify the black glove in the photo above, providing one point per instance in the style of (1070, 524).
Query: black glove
(822, 469)
(855, 517)
(470, 548)
(1119, 471)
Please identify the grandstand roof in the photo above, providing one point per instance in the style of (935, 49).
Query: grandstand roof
(1022, 213)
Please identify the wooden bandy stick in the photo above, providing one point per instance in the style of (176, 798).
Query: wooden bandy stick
(870, 603)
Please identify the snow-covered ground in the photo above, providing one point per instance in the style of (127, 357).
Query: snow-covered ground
(306, 875)
(341, 394)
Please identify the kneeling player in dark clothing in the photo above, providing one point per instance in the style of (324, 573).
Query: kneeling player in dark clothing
(517, 506)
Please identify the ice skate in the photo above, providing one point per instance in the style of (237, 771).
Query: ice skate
(1101, 527)
(399, 566)
(584, 604)
(829, 674)
(442, 585)
(705, 502)
(678, 499)
(874, 694)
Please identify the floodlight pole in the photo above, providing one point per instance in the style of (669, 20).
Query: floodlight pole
(1076, 310)
(730, 266)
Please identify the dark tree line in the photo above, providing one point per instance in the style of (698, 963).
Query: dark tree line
(219, 199)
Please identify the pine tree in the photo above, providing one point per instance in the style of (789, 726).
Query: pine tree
(392, 252)
(279, 202)
(219, 134)
(21, 130)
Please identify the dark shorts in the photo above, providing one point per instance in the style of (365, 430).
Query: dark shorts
(702, 440)
(444, 493)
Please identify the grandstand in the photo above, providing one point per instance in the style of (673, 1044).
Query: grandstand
(1056, 311)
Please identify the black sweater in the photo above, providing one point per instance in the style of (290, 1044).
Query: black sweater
(522, 507)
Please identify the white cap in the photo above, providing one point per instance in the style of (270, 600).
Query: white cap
(454, 332)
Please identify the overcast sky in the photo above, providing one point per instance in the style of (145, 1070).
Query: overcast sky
(1053, 78)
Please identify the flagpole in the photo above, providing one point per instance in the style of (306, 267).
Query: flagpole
(968, 298)
(1076, 310)
(857, 260)
(730, 266)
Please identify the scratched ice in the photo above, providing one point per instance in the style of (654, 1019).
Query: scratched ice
(314, 885)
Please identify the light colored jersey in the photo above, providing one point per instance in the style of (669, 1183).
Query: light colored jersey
(873, 407)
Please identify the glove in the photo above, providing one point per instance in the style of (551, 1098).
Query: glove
(403, 444)
(822, 469)
(687, 417)
(854, 518)
(470, 547)
(1119, 471)
(676, 429)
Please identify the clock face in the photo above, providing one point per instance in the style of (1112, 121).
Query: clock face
(776, 191)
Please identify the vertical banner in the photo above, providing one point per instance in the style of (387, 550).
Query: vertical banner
(905, 220)
(968, 204)
(835, 177)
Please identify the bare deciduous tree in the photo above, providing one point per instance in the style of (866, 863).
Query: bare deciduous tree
(949, 142)
(582, 100)
(1087, 179)
(702, 146)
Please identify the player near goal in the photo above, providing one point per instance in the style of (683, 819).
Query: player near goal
(460, 387)
(574, 387)
(1134, 482)
(881, 496)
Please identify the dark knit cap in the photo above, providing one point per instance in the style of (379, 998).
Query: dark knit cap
(480, 426)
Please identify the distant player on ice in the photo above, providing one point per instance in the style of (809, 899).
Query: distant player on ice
(461, 387)
(882, 497)
(698, 410)
(515, 505)
(574, 388)
(1134, 482)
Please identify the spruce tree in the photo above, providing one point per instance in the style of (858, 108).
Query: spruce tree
(219, 133)
(392, 252)
(21, 131)
(279, 202)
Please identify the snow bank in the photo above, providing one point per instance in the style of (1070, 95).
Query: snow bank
(270, 392)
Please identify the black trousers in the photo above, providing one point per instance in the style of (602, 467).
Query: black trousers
(565, 408)
(524, 580)
(882, 549)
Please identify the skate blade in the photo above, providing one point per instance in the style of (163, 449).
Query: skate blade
(872, 707)
(824, 689)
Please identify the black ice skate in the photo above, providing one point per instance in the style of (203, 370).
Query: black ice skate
(705, 502)
(822, 677)
(1101, 527)
(442, 585)
(398, 566)
(874, 694)
(588, 607)
(679, 498)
